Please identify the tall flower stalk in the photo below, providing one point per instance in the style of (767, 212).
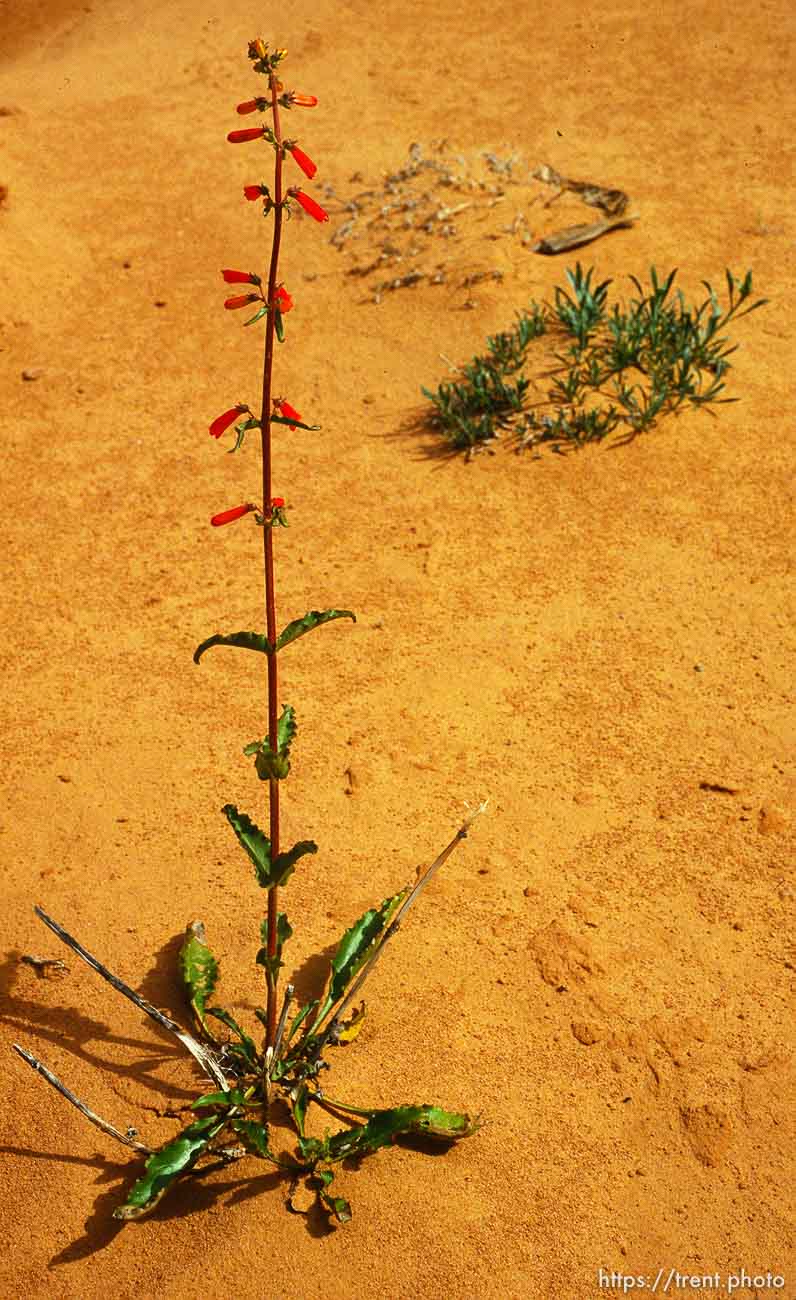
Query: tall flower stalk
(234, 1117)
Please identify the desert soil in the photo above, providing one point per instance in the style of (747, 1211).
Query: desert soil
(596, 643)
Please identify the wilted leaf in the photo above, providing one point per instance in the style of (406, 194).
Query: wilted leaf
(349, 1029)
(243, 640)
(164, 1166)
(199, 971)
(314, 618)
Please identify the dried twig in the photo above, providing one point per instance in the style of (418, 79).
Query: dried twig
(200, 1053)
(90, 1115)
(424, 878)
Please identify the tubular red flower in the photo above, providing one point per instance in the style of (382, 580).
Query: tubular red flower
(302, 101)
(284, 302)
(241, 277)
(250, 133)
(277, 503)
(250, 106)
(241, 300)
(289, 412)
(309, 205)
(222, 422)
(306, 164)
(253, 192)
(228, 516)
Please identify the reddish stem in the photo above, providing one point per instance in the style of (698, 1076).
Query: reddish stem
(268, 558)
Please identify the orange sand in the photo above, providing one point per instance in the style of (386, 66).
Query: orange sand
(596, 643)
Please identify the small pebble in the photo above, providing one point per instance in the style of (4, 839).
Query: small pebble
(35, 372)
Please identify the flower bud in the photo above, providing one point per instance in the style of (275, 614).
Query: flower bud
(306, 164)
(309, 205)
(252, 105)
(241, 277)
(228, 516)
(222, 422)
(288, 411)
(241, 300)
(249, 133)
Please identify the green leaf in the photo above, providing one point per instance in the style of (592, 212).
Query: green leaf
(337, 1206)
(294, 424)
(270, 872)
(278, 325)
(233, 1097)
(164, 1166)
(248, 1049)
(198, 970)
(300, 1017)
(283, 933)
(384, 1126)
(257, 316)
(314, 618)
(298, 1105)
(241, 430)
(253, 841)
(285, 863)
(244, 640)
(355, 947)
(270, 765)
(254, 1135)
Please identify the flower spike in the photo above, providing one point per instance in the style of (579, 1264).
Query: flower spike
(229, 516)
(309, 205)
(306, 164)
(222, 422)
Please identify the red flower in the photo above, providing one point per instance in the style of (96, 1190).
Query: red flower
(306, 164)
(240, 277)
(289, 412)
(251, 106)
(228, 516)
(223, 422)
(240, 137)
(277, 503)
(284, 302)
(241, 300)
(302, 101)
(253, 192)
(309, 205)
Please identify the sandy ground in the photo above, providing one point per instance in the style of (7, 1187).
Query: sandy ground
(599, 644)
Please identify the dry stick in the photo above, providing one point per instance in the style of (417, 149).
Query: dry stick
(280, 1029)
(97, 1120)
(268, 559)
(200, 1053)
(424, 880)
